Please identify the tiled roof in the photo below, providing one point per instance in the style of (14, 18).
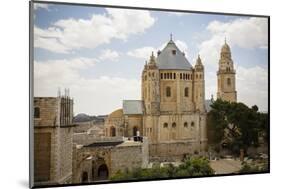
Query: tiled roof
(172, 58)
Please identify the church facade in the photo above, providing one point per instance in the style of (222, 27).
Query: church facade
(172, 112)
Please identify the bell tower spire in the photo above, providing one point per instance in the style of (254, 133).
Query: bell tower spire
(226, 76)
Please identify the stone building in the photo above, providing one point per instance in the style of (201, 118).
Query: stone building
(171, 113)
(126, 121)
(226, 76)
(53, 130)
(99, 160)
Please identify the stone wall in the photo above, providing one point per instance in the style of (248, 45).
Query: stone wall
(127, 157)
(172, 151)
(48, 108)
(52, 144)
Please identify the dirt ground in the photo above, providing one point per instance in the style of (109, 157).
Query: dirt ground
(225, 166)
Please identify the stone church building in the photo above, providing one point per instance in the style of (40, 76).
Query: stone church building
(166, 125)
(171, 113)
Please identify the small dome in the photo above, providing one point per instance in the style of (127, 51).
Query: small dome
(225, 48)
(116, 114)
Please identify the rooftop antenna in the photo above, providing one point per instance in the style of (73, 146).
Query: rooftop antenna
(59, 92)
(171, 36)
(224, 40)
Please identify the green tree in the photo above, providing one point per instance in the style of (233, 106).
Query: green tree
(236, 124)
(190, 167)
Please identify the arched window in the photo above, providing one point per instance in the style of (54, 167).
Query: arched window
(228, 81)
(165, 125)
(180, 75)
(185, 124)
(148, 74)
(168, 91)
(196, 76)
(174, 75)
(184, 76)
(186, 92)
(161, 75)
(37, 112)
(188, 76)
(145, 77)
(152, 74)
(174, 125)
(165, 76)
(192, 124)
(171, 76)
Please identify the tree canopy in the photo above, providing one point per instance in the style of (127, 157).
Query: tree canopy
(190, 167)
(236, 125)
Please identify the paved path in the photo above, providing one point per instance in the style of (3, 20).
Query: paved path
(225, 166)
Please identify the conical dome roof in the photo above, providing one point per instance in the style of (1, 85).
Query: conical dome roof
(225, 47)
(172, 58)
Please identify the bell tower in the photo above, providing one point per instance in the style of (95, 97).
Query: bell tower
(150, 87)
(226, 76)
(199, 85)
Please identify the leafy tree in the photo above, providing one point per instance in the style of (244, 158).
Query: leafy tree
(236, 125)
(190, 167)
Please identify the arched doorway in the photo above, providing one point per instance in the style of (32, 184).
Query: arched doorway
(85, 177)
(112, 131)
(135, 130)
(103, 172)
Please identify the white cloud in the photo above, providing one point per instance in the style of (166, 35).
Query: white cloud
(70, 34)
(142, 53)
(251, 83)
(109, 54)
(145, 52)
(252, 86)
(100, 95)
(41, 6)
(179, 13)
(244, 33)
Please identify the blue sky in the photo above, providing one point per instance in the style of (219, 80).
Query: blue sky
(99, 53)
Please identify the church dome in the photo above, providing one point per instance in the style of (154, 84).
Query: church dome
(172, 58)
(225, 48)
(116, 114)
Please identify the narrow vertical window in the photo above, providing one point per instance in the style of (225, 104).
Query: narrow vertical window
(37, 112)
(168, 91)
(186, 92)
(228, 81)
